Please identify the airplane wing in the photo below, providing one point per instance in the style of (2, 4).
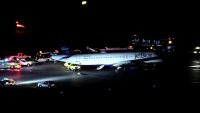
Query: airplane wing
(145, 64)
(148, 60)
(61, 58)
(115, 65)
(100, 67)
(121, 63)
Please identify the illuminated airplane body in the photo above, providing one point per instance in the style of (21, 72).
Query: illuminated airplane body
(114, 59)
(61, 58)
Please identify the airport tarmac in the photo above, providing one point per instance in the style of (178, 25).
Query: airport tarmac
(93, 82)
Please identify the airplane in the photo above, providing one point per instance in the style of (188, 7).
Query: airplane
(61, 58)
(114, 59)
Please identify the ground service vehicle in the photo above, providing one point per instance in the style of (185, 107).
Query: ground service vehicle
(19, 56)
(72, 67)
(9, 64)
(43, 57)
(24, 62)
(46, 84)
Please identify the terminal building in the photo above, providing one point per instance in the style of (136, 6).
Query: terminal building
(162, 45)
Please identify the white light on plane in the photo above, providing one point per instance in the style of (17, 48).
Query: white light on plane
(195, 52)
(197, 47)
(195, 66)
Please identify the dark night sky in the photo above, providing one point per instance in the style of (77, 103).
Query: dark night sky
(98, 23)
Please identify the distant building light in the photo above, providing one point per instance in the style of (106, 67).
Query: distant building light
(84, 2)
(169, 42)
(19, 25)
(130, 47)
(151, 47)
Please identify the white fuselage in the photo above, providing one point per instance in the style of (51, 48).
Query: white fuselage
(108, 58)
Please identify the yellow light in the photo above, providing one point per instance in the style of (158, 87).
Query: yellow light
(84, 2)
(18, 66)
(130, 47)
(169, 42)
(20, 25)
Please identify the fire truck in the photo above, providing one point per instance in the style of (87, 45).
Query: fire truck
(9, 64)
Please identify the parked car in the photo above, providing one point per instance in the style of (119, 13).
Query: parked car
(24, 62)
(46, 84)
(8, 82)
